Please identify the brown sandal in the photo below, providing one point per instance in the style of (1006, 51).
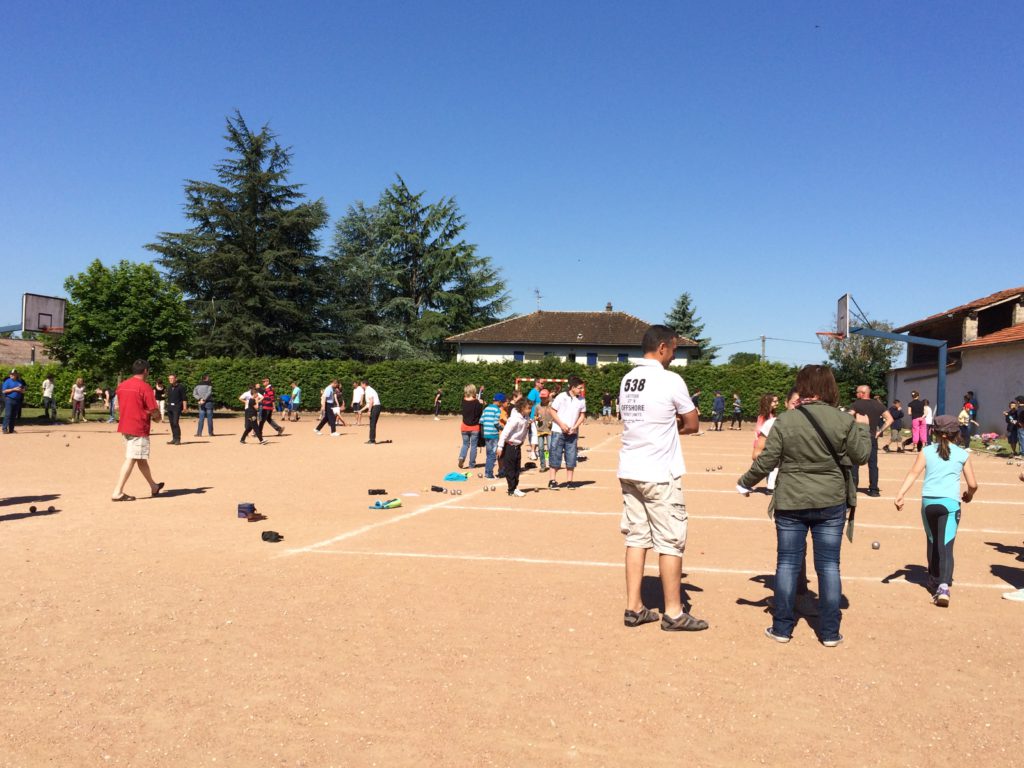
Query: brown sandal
(124, 497)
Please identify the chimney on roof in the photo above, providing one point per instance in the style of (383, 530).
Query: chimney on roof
(1018, 310)
(608, 307)
(970, 327)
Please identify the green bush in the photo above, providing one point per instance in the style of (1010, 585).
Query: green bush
(408, 386)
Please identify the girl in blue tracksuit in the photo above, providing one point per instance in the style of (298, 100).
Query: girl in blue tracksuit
(942, 462)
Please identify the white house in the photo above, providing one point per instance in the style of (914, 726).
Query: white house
(986, 355)
(591, 338)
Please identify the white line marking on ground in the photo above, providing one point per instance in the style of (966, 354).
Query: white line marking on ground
(601, 564)
(390, 521)
(731, 518)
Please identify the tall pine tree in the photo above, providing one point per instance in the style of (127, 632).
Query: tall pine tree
(249, 268)
(682, 318)
(409, 279)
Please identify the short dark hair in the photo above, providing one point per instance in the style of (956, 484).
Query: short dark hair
(140, 366)
(655, 336)
(574, 381)
(818, 381)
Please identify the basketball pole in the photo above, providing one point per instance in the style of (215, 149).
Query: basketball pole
(940, 344)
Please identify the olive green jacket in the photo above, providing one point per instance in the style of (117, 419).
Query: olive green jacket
(808, 475)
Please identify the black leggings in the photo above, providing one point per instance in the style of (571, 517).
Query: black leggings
(940, 523)
(737, 420)
(252, 424)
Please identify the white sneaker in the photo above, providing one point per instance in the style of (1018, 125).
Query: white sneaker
(1017, 597)
(333, 434)
(316, 431)
(517, 492)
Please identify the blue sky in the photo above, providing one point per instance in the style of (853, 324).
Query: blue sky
(765, 157)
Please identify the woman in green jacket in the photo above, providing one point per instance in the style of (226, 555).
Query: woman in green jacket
(814, 447)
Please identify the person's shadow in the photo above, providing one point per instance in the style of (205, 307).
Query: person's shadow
(652, 595)
(1007, 549)
(171, 492)
(912, 573)
(1012, 576)
(13, 500)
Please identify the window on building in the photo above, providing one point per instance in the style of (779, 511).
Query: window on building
(571, 357)
(623, 357)
(592, 358)
(518, 356)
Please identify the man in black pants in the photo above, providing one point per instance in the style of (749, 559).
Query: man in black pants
(176, 405)
(267, 408)
(879, 420)
(371, 403)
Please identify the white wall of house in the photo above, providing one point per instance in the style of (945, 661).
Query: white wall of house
(498, 353)
(995, 375)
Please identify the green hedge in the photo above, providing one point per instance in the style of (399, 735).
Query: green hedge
(408, 386)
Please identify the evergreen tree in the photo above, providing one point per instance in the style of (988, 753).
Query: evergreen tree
(250, 268)
(682, 318)
(407, 279)
(115, 316)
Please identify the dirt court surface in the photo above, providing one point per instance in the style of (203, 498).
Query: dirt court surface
(473, 629)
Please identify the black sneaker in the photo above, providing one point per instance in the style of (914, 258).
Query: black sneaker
(874, 493)
(552, 484)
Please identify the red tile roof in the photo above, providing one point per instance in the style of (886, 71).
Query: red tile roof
(1011, 335)
(606, 328)
(995, 298)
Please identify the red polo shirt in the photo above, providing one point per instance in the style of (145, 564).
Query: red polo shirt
(135, 401)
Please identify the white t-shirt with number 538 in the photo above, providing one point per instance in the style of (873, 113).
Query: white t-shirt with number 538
(650, 397)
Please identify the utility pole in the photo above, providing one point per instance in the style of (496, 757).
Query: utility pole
(763, 356)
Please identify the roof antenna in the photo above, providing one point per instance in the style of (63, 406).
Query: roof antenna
(536, 292)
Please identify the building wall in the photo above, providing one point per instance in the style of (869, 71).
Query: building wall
(497, 353)
(995, 374)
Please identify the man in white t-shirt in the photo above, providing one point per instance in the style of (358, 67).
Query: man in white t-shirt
(371, 404)
(656, 408)
(568, 412)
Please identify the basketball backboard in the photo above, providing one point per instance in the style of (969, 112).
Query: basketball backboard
(843, 315)
(42, 314)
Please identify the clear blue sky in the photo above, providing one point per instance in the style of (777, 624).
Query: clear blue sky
(765, 157)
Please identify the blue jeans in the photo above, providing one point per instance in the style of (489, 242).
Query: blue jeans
(826, 527)
(491, 447)
(205, 412)
(469, 440)
(563, 444)
(10, 412)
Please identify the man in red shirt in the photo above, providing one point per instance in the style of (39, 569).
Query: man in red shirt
(138, 407)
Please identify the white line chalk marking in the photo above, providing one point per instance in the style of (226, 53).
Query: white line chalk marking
(601, 564)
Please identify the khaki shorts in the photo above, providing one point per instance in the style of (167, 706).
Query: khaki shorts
(136, 447)
(654, 516)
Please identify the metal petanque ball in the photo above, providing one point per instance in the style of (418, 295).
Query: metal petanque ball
(50, 509)
(875, 545)
(32, 509)
(493, 487)
(719, 466)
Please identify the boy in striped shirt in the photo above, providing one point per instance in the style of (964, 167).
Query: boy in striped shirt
(489, 431)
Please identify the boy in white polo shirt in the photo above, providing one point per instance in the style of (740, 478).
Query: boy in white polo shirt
(656, 409)
(568, 412)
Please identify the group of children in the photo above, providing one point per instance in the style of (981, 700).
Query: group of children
(507, 424)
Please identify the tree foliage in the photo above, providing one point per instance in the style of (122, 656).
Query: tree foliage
(249, 267)
(744, 358)
(682, 318)
(406, 278)
(863, 360)
(117, 315)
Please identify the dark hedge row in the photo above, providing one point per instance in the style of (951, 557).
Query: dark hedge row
(409, 386)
